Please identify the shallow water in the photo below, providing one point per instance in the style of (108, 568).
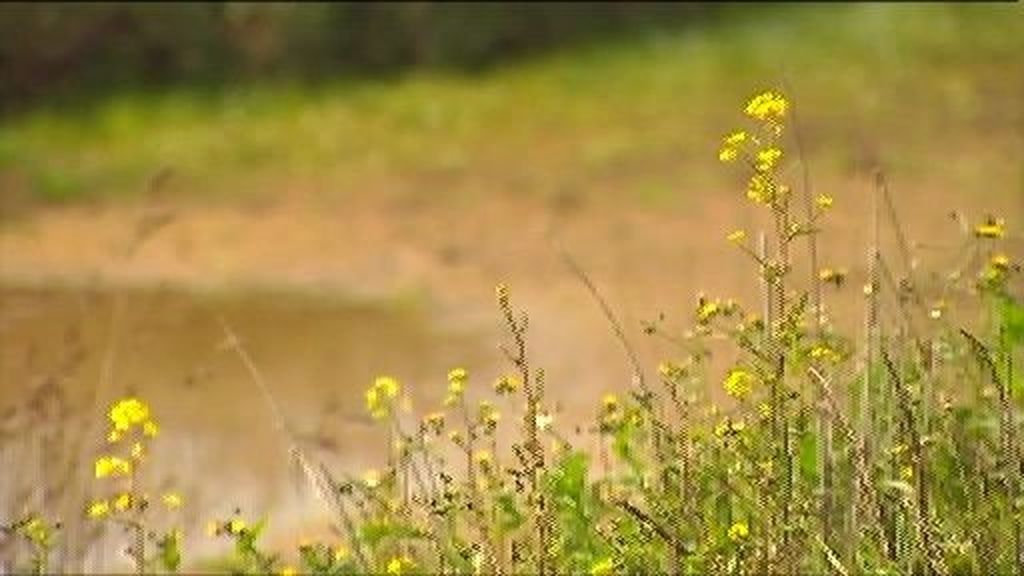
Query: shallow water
(218, 443)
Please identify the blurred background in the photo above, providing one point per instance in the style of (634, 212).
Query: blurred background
(344, 184)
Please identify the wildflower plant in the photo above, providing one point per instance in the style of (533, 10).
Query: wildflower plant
(126, 503)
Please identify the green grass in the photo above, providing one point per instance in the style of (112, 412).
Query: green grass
(908, 75)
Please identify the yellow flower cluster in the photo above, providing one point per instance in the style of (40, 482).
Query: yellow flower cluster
(767, 159)
(380, 397)
(603, 567)
(767, 106)
(36, 531)
(112, 466)
(127, 413)
(738, 531)
(457, 381)
(764, 157)
(731, 145)
(400, 565)
(506, 385)
(832, 276)
(991, 228)
(739, 383)
(825, 353)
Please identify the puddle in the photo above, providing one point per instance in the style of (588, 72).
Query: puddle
(218, 443)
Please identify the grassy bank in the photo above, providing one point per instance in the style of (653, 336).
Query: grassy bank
(623, 118)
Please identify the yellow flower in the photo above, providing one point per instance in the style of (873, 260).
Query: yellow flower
(610, 402)
(708, 310)
(340, 553)
(831, 276)
(380, 396)
(1000, 261)
(761, 189)
(114, 436)
(123, 502)
(737, 236)
(727, 154)
(823, 201)
(112, 466)
(907, 473)
(767, 159)
(991, 228)
(398, 566)
(826, 353)
(506, 385)
(603, 567)
(172, 500)
(739, 383)
(127, 413)
(484, 458)
(457, 381)
(150, 428)
(98, 509)
(288, 571)
(767, 106)
(735, 139)
(738, 531)
(36, 531)
(236, 526)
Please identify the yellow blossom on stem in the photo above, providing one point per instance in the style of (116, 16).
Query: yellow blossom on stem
(123, 502)
(739, 383)
(172, 500)
(610, 402)
(236, 526)
(738, 531)
(767, 159)
(112, 466)
(98, 509)
(603, 567)
(823, 201)
(506, 385)
(380, 396)
(127, 413)
(991, 228)
(767, 106)
(457, 381)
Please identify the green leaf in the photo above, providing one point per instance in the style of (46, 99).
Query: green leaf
(808, 457)
(509, 516)
(1012, 316)
(374, 532)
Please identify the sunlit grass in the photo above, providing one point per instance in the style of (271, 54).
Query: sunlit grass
(626, 110)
